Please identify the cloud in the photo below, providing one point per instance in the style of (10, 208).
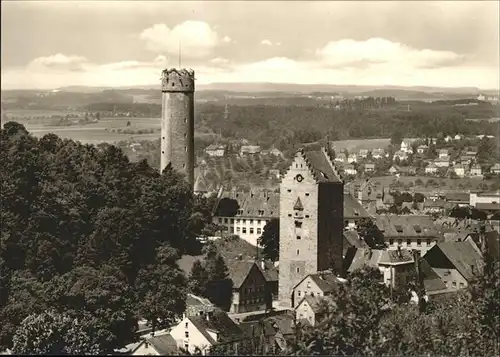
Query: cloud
(196, 38)
(355, 54)
(266, 42)
(60, 62)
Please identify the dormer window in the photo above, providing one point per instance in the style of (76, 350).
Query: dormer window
(399, 228)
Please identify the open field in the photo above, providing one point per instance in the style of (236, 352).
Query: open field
(370, 144)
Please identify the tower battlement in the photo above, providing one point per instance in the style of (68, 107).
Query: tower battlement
(177, 80)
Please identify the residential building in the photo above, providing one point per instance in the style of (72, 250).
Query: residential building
(407, 170)
(489, 208)
(378, 153)
(204, 332)
(394, 170)
(353, 212)
(459, 170)
(369, 167)
(458, 137)
(341, 157)
(443, 154)
(458, 264)
(432, 283)
(471, 153)
(431, 169)
(466, 160)
(308, 311)
(434, 206)
(406, 147)
(275, 152)
(442, 162)
(363, 153)
(401, 155)
(246, 213)
(422, 149)
(201, 186)
(311, 219)
(215, 150)
(396, 266)
(484, 197)
(495, 169)
(250, 288)
(476, 170)
(352, 158)
(249, 150)
(163, 345)
(318, 284)
(270, 271)
(448, 138)
(369, 193)
(350, 170)
(409, 232)
(197, 305)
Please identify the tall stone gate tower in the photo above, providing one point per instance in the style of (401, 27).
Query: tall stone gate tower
(177, 121)
(311, 220)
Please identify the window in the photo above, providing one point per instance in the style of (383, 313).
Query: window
(225, 220)
(400, 241)
(187, 324)
(399, 228)
(417, 229)
(232, 229)
(391, 241)
(186, 334)
(298, 293)
(244, 221)
(238, 220)
(186, 346)
(250, 221)
(237, 229)
(428, 242)
(419, 243)
(232, 220)
(308, 284)
(251, 230)
(289, 215)
(298, 252)
(298, 237)
(297, 270)
(289, 190)
(220, 220)
(454, 283)
(258, 221)
(298, 224)
(307, 194)
(185, 120)
(259, 231)
(462, 285)
(244, 230)
(185, 147)
(408, 241)
(307, 216)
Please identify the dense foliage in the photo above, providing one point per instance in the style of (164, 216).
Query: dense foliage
(270, 240)
(90, 235)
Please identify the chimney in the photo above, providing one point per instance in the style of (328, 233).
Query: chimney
(240, 256)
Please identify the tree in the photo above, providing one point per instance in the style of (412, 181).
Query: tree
(269, 240)
(198, 278)
(478, 214)
(98, 116)
(396, 138)
(53, 333)
(418, 197)
(460, 212)
(370, 233)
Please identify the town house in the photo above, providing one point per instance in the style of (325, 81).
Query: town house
(476, 170)
(378, 153)
(250, 289)
(353, 212)
(406, 147)
(459, 170)
(458, 264)
(495, 169)
(319, 284)
(396, 266)
(431, 169)
(422, 149)
(409, 232)
(246, 213)
(309, 310)
(369, 167)
(484, 197)
(215, 150)
(163, 345)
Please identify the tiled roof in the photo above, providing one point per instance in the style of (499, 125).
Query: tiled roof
(393, 226)
(326, 281)
(253, 329)
(321, 166)
(352, 208)
(193, 300)
(462, 255)
(200, 184)
(492, 241)
(488, 206)
(220, 323)
(351, 238)
(435, 203)
(270, 272)
(164, 344)
(458, 196)
(239, 270)
(250, 203)
(315, 302)
(375, 257)
(215, 147)
(432, 281)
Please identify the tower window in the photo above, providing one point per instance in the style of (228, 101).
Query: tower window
(289, 215)
(185, 135)
(307, 194)
(185, 120)
(298, 252)
(183, 166)
(297, 270)
(173, 84)
(163, 138)
(298, 237)
(185, 148)
(162, 152)
(289, 190)
(307, 216)
(298, 224)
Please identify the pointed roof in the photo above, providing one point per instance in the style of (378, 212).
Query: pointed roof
(321, 165)
(298, 205)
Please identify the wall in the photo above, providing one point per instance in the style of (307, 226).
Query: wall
(240, 224)
(475, 199)
(298, 257)
(304, 311)
(423, 247)
(195, 339)
(177, 124)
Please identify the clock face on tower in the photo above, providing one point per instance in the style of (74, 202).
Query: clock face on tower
(299, 178)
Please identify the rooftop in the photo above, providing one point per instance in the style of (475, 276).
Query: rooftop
(393, 226)
(239, 270)
(220, 323)
(463, 256)
(352, 208)
(262, 203)
(321, 166)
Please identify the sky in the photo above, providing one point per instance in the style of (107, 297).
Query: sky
(50, 44)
